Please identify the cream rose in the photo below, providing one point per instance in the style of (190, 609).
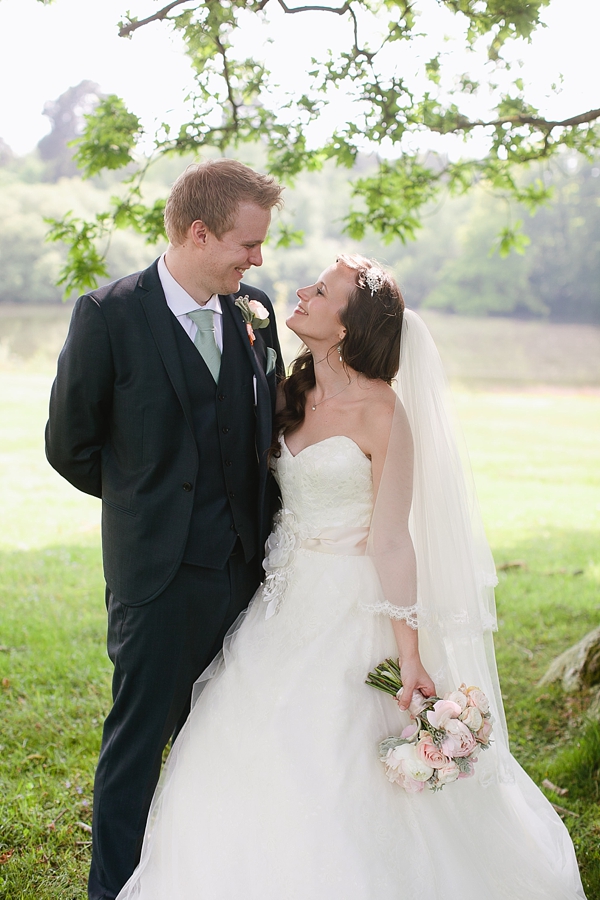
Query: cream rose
(258, 310)
(477, 698)
(483, 735)
(457, 697)
(472, 718)
(448, 773)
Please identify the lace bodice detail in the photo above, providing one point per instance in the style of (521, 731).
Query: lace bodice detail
(327, 485)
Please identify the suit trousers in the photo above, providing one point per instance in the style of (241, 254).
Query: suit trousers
(158, 650)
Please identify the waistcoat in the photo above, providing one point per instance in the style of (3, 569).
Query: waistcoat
(224, 421)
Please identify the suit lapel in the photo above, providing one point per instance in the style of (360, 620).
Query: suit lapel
(160, 321)
(263, 395)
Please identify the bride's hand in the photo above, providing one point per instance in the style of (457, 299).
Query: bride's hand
(414, 678)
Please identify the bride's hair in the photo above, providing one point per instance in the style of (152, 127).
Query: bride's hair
(371, 346)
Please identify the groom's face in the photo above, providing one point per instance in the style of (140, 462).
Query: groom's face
(224, 260)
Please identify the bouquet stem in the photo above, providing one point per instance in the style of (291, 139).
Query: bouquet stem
(386, 677)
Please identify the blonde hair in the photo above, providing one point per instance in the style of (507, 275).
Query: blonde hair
(212, 192)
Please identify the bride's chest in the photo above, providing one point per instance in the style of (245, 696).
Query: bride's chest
(329, 482)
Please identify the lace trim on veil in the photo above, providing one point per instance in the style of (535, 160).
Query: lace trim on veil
(418, 617)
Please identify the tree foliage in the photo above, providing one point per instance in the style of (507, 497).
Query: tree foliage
(66, 115)
(235, 101)
(452, 265)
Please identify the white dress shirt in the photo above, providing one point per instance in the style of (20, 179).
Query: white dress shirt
(181, 303)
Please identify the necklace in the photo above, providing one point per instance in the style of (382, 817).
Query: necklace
(314, 406)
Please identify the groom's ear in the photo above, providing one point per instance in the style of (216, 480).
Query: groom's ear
(198, 233)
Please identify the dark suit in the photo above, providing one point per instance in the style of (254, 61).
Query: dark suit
(181, 466)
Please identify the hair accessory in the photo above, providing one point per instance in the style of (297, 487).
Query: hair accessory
(374, 280)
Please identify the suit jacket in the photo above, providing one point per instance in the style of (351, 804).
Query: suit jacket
(120, 426)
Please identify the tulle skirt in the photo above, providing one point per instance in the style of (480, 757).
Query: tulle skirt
(274, 789)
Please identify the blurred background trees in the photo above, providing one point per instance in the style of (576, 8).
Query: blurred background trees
(452, 266)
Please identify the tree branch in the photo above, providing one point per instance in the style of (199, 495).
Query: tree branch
(227, 77)
(126, 30)
(162, 14)
(542, 124)
(339, 11)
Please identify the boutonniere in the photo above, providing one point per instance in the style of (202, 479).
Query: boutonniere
(254, 314)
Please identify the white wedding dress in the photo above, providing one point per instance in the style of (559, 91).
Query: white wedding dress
(274, 789)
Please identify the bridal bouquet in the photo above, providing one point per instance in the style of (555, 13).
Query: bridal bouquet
(442, 744)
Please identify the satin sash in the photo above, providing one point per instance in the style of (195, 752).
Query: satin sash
(340, 541)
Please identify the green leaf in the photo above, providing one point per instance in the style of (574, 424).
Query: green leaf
(110, 134)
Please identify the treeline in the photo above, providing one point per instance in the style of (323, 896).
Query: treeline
(452, 266)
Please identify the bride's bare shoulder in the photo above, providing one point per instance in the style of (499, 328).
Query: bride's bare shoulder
(378, 413)
(381, 399)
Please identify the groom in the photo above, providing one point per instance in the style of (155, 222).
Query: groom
(162, 406)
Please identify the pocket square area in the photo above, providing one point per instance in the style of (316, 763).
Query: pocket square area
(271, 360)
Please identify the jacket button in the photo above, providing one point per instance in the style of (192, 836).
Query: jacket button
(228, 462)
(225, 430)
(221, 396)
(232, 494)
(186, 486)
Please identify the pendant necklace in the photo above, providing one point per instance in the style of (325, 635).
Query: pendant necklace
(314, 406)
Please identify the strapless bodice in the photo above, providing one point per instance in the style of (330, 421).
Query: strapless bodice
(327, 485)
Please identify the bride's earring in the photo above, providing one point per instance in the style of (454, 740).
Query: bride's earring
(339, 350)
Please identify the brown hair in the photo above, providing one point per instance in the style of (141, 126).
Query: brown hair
(371, 346)
(212, 192)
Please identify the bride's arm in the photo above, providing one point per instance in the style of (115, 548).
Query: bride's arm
(414, 675)
(391, 544)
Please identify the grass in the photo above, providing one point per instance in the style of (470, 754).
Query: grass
(54, 694)
(536, 465)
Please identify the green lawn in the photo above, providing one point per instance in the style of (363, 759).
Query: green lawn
(536, 461)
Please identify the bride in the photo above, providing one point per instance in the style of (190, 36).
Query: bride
(274, 789)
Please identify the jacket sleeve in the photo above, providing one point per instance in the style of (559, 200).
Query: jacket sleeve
(81, 398)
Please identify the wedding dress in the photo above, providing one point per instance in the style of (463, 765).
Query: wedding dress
(274, 789)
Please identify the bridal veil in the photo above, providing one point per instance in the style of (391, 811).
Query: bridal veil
(451, 599)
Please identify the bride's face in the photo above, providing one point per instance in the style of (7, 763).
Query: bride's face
(316, 316)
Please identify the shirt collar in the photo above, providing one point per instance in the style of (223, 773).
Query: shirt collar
(178, 300)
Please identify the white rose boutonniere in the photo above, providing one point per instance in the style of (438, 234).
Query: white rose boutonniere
(254, 314)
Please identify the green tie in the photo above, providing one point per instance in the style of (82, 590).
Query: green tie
(205, 340)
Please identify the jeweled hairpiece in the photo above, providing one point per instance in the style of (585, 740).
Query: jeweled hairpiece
(374, 280)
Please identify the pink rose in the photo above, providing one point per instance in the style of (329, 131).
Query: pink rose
(410, 733)
(472, 718)
(443, 712)
(429, 753)
(448, 773)
(483, 735)
(477, 698)
(458, 741)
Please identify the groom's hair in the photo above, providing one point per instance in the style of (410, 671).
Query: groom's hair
(212, 192)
